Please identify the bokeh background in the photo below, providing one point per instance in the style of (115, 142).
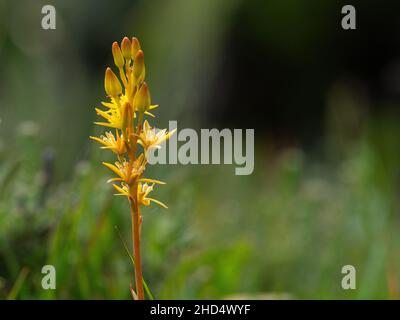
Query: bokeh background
(325, 105)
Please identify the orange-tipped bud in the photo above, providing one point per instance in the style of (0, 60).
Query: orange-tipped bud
(117, 54)
(126, 118)
(112, 84)
(141, 102)
(126, 48)
(138, 66)
(135, 46)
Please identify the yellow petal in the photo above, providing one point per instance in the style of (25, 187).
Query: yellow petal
(113, 169)
(158, 202)
(171, 133)
(109, 105)
(99, 140)
(147, 180)
(102, 113)
(106, 124)
(146, 126)
(120, 190)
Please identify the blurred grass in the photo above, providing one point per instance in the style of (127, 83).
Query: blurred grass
(287, 229)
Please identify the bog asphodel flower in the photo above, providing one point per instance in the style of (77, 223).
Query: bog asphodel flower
(143, 192)
(114, 143)
(148, 138)
(128, 104)
(127, 171)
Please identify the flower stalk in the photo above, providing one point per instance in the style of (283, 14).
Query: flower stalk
(126, 111)
(135, 217)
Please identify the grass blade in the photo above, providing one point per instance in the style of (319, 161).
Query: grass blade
(146, 288)
(18, 284)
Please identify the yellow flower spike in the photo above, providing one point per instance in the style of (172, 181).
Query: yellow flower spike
(111, 84)
(138, 66)
(126, 48)
(128, 94)
(135, 47)
(141, 102)
(117, 54)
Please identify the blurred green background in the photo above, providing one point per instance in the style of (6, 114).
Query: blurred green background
(325, 190)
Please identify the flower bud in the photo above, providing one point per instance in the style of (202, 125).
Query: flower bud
(135, 47)
(117, 54)
(112, 84)
(138, 66)
(126, 48)
(141, 102)
(126, 117)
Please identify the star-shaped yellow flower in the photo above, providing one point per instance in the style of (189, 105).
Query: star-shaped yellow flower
(113, 116)
(127, 171)
(148, 138)
(143, 191)
(109, 141)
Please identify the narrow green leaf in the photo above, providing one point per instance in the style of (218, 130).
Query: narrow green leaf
(146, 288)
